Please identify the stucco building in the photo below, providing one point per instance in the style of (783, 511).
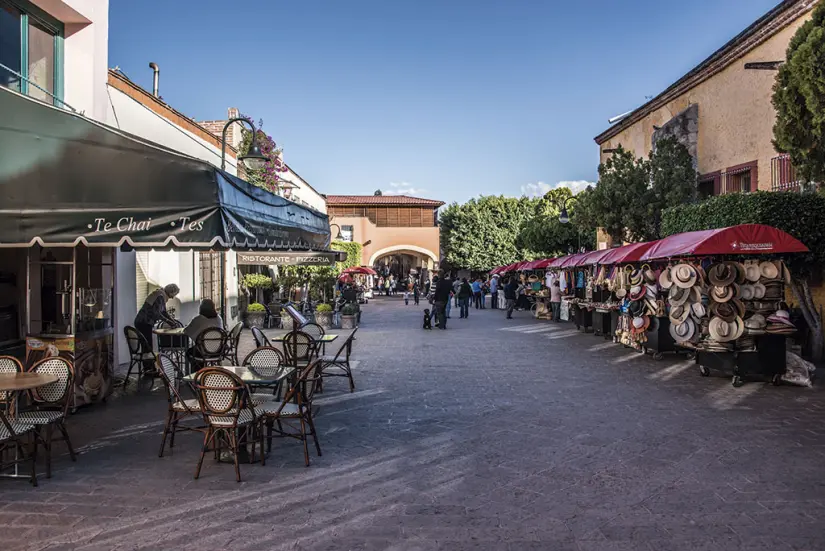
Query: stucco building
(398, 233)
(721, 110)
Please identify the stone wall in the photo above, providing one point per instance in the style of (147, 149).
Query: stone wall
(685, 128)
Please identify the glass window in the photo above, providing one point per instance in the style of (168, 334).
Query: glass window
(41, 62)
(10, 42)
(346, 233)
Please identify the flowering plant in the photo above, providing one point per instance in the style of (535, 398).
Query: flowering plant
(267, 177)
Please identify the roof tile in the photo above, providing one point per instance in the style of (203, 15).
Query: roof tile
(381, 200)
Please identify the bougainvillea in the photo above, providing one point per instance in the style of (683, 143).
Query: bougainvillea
(267, 177)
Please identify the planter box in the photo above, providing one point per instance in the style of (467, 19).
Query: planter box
(255, 319)
(324, 319)
(349, 322)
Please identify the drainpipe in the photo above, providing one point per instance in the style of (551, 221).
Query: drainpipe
(156, 69)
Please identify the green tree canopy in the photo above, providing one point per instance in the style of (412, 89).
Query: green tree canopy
(544, 235)
(799, 100)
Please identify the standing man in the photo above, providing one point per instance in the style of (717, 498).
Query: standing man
(510, 295)
(464, 293)
(476, 286)
(494, 292)
(555, 300)
(416, 292)
(441, 297)
(456, 287)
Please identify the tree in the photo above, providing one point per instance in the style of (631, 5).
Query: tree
(481, 233)
(673, 181)
(267, 177)
(799, 100)
(544, 235)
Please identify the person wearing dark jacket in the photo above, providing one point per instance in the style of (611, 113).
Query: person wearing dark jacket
(465, 291)
(441, 297)
(510, 295)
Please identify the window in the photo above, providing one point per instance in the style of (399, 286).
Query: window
(211, 267)
(709, 184)
(740, 178)
(346, 233)
(31, 45)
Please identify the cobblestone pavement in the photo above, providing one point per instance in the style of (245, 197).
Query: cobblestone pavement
(494, 434)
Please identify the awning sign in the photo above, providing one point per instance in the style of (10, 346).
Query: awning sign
(288, 258)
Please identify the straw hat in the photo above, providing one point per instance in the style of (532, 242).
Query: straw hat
(683, 275)
(756, 324)
(740, 307)
(724, 310)
(768, 270)
(721, 294)
(636, 308)
(640, 324)
(651, 291)
(636, 277)
(752, 271)
(637, 292)
(739, 268)
(679, 295)
(746, 292)
(621, 292)
(678, 314)
(682, 332)
(695, 294)
(664, 279)
(758, 291)
(650, 276)
(722, 274)
(781, 317)
(773, 290)
(724, 331)
(698, 310)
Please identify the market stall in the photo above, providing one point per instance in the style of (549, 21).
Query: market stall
(725, 294)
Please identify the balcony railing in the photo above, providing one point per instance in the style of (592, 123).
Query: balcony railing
(783, 175)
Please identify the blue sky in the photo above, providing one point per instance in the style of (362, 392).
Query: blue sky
(447, 99)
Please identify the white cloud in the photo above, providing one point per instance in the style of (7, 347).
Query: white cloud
(403, 188)
(540, 188)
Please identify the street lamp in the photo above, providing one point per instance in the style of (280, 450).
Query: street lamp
(564, 218)
(338, 237)
(254, 159)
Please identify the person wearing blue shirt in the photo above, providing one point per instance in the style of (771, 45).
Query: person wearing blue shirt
(477, 293)
(494, 292)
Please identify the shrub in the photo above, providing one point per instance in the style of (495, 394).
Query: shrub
(257, 281)
(323, 308)
(349, 309)
(255, 307)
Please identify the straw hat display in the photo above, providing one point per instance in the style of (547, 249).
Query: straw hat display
(698, 310)
(752, 272)
(640, 324)
(683, 275)
(650, 276)
(637, 292)
(756, 324)
(721, 293)
(678, 314)
(746, 292)
(768, 270)
(725, 331)
(758, 291)
(722, 274)
(780, 323)
(683, 332)
(636, 277)
(679, 295)
(664, 279)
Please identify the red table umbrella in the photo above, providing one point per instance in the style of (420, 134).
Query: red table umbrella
(360, 270)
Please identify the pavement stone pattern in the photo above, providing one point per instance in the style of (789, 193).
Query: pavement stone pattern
(495, 434)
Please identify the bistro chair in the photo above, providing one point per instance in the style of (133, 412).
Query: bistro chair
(140, 352)
(12, 432)
(50, 405)
(232, 343)
(178, 408)
(8, 364)
(338, 365)
(210, 347)
(169, 324)
(269, 362)
(299, 348)
(260, 338)
(227, 409)
(296, 407)
(316, 332)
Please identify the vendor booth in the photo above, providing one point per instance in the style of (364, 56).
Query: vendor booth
(74, 191)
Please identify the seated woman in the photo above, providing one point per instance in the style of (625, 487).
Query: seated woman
(207, 317)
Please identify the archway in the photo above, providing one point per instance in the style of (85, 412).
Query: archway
(404, 261)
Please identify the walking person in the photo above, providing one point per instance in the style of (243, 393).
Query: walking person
(416, 293)
(555, 300)
(476, 286)
(152, 311)
(456, 287)
(485, 288)
(510, 295)
(494, 292)
(465, 291)
(441, 297)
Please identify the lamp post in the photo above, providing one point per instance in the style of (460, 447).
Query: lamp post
(254, 159)
(338, 237)
(564, 218)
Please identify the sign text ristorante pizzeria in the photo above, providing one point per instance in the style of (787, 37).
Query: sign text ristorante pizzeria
(288, 258)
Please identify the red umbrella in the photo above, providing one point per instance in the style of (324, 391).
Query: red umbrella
(360, 270)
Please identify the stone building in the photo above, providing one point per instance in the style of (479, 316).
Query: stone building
(398, 233)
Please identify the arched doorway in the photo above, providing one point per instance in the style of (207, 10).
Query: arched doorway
(404, 261)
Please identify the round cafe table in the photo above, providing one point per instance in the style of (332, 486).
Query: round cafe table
(13, 382)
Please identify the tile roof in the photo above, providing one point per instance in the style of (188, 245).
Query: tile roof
(357, 200)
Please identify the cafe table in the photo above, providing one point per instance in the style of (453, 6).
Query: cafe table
(174, 342)
(14, 383)
(327, 338)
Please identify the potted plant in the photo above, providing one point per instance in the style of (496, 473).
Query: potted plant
(257, 283)
(349, 316)
(323, 315)
(255, 315)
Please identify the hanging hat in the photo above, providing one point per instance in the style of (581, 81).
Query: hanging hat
(752, 271)
(651, 291)
(746, 292)
(773, 290)
(724, 310)
(682, 332)
(650, 276)
(782, 317)
(725, 331)
(683, 275)
(739, 306)
(756, 322)
(664, 279)
(721, 294)
(679, 295)
(739, 269)
(695, 294)
(698, 310)
(636, 277)
(768, 270)
(722, 274)
(758, 291)
(640, 324)
(621, 292)
(678, 314)
(636, 308)
(637, 292)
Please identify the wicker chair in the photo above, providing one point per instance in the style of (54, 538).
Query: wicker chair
(140, 352)
(299, 348)
(338, 365)
(8, 364)
(227, 409)
(269, 362)
(317, 333)
(210, 347)
(50, 405)
(178, 407)
(232, 343)
(11, 436)
(260, 338)
(295, 407)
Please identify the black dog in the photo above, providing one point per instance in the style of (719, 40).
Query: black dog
(427, 324)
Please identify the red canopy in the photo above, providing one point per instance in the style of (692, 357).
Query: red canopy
(743, 239)
(558, 262)
(591, 258)
(496, 270)
(360, 270)
(627, 253)
(572, 260)
(537, 264)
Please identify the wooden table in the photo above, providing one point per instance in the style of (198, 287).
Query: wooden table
(14, 382)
